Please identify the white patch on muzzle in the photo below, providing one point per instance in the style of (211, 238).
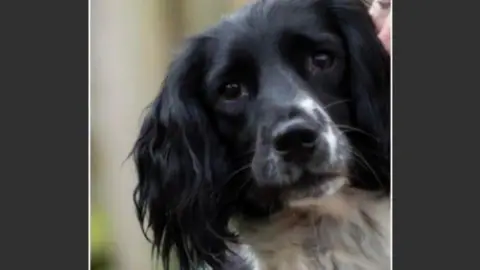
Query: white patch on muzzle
(312, 108)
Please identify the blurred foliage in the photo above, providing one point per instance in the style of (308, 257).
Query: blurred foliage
(101, 259)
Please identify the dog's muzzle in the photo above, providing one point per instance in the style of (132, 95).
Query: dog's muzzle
(300, 143)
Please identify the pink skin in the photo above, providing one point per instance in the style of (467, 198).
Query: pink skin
(381, 14)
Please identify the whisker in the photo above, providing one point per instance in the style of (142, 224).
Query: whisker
(240, 189)
(336, 103)
(236, 172)
(366, 165)
(241, 169)
(349, 128)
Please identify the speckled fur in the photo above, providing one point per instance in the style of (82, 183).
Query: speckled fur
(348, 230)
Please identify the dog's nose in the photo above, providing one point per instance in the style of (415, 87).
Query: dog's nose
(295, 141)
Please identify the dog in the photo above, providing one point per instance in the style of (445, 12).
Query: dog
(268, 146)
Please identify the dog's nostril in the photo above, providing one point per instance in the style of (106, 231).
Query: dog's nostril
(295, 139)
(293, 113)
(307, 137)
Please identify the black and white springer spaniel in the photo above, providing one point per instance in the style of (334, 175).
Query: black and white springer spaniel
(268, 146)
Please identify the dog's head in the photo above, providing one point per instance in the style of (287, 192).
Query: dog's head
(283, 99)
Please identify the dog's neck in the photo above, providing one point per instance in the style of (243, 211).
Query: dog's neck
(347, 230)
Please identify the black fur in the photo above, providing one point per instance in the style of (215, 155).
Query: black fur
(193, 153)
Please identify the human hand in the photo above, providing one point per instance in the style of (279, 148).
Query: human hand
(382, 16)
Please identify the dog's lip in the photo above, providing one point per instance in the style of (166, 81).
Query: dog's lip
(313, 188)
(309, 179)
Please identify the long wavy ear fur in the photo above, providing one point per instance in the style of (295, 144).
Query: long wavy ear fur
(178, 162)
(369, 78)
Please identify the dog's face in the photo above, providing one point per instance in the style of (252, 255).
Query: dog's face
(277, 91)
(281, 100)
(277, 88)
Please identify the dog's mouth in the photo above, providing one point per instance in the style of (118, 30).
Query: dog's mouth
(266, 200)
(315, 186)
(307, 180)
(307, 185)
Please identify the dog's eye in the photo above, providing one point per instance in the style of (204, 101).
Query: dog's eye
(233, 91)
(321, 61)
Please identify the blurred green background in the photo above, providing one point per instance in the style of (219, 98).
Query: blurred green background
(132, 42)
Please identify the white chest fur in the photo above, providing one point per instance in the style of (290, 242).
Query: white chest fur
(345, 231)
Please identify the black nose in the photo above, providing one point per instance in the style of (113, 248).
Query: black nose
(295, 141)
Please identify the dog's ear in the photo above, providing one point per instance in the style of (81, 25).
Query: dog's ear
(179, 161)
(369, 79)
